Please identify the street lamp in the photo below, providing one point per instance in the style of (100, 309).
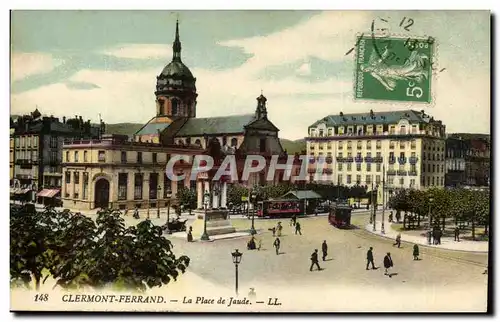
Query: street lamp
(169, 196)
(430, 222)
(158, 202)
(374, 204)
(206, 202)
(252, 230)
(382, 228)
(236, 260)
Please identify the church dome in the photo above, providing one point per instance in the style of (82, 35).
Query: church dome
(178, 69)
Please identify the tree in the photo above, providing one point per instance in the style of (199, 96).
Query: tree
(187, 198)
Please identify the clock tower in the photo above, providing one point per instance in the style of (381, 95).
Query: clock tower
(176, 87)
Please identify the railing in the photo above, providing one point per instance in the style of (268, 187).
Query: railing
(413, 160)
(391, 172)
(401, 160)
(392, 160)
(412, 173)
(402, 172)
(358, 159)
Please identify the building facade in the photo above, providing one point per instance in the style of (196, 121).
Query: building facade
(468, 160)
(114, 172)
(409, 145)
(36, 148)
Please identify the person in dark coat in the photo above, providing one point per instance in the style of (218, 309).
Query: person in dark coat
(390, 217)
(324, 250)
(273, 230)
(369, 258)
(388, 264)
(398, 241)
(398, 216)
(190, 234)
(136, 213)
(314, 260)
(294, 219)
(297, 228)
(415, 252)
(457, 234)
(277, 245)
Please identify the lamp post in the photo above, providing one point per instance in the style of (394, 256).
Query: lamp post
(252, 230)
(206, 202)
(158, 202)
(430, 222)
(374, 203)
(382, 228)
(169, 196)
(236, 260)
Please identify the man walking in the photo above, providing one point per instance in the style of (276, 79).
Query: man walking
(415, 252)
(314, 260)
(277, 244)
(398, 241)
(324, 249)
(457, 234)
(388, 264)
(369, 258)
(279, 228)
(297, 228)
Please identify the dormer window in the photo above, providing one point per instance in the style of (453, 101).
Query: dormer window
(321, 133)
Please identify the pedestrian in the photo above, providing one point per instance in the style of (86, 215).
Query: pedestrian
(252, 295)
(274, 231)
(457, 234)
(279, 228)
(398, 240)
(294, 219)
(190, 234)
(398, 216)
(136, 213)
(390, 217)
(259, 245)
(388, 264)
(369, 258)
(291, 222)
(297, 228)
(314, 260)
(415, 252)
(438, 236)
(277, 244)
(324, 250)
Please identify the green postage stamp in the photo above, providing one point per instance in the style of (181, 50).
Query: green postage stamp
(393, 69)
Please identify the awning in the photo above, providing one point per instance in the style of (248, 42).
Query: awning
(48, 193)
(22, 191)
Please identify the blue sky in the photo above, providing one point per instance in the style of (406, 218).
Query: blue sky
(91, 62)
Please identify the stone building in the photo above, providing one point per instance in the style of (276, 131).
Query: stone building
(36, 152)
(409, 145)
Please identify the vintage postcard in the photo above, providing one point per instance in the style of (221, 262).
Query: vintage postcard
(250, 161)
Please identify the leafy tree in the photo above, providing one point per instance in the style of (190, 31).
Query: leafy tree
(187, 198)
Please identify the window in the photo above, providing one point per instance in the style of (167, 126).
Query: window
(68, 177)
(391, 156)
(377, 179)
(390, 180)
(379, 145)
(339, 179)
(433, 168)
(175, 104)
(442, 167)
(442, 181)
(359, 145)
(122, 186)
(413, 168)
(391, 145)
(428, 181)
(67, 156)
(138, 186)
(368, 179)
(262, 145)
(234, 142)
(392, 129)
(341, 145)
(402, 145)
(413, 144)
(423, 156)
(328, 146)
(123, 157)
(412, 182)
(433, 182)
(153, 186)
(53, 142)
(155, 157)
(85, 156)
(368, 145)
(224, 141)
(349, 166)
(428, 168)
(340, 165)
(358, 179)
(53, 157)
(348, 179)
(321, 146)
(401, 154)
(330, 132)
(349, 145)
(35, 141)
(368, 167)
(139, 157)
(358, 166)
(414, 128)
(188, 141)
(76, 156)
(167, 185)
(85, 185)
(401, 181)
(77, 177)
(101, 156)
(379, 167)
(402, 130)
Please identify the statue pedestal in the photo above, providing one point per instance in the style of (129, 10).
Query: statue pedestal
(217, 223)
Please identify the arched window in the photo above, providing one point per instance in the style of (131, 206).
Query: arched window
(197, 142)
(234, 142)
(175, 107)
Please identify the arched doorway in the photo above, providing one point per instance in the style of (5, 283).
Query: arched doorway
(101, 193)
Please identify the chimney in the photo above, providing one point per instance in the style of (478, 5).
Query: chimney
(341, 114)
(64, 119)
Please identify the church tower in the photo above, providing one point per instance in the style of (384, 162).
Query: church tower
(261, 110)
(175, 86)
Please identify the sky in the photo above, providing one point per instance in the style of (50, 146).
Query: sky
(87, 63)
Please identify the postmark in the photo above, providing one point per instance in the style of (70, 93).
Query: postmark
(391, 68)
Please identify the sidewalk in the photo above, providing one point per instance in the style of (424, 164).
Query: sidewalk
(446, 242)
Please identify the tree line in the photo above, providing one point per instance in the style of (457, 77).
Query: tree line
(77, 251)
(461, 205)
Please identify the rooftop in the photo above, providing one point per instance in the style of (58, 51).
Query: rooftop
(215, 125)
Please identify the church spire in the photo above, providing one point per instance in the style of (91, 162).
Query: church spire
(261, 111)
(177, 44)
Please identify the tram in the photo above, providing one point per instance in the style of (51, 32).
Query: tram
(280, 208)
(340, 215)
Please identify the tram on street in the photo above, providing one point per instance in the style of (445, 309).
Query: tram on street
(340, 215)
(279, 208)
